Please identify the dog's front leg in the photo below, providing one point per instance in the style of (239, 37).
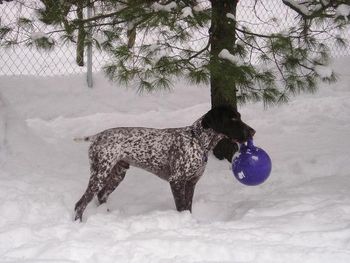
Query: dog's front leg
(178, 189)
(183, 194)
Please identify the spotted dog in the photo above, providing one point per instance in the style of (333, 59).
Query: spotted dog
(177, 155)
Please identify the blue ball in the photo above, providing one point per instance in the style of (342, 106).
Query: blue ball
(252, 165)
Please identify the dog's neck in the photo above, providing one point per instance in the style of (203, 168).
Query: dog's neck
(207, 138)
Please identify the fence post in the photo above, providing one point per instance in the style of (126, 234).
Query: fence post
(89, 49)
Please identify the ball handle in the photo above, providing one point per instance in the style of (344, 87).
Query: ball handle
(250, 143)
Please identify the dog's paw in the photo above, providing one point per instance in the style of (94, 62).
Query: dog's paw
(78, 216)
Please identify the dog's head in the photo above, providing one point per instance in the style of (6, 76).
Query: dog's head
(226, 120)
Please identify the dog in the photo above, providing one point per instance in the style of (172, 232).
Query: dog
(177, 155)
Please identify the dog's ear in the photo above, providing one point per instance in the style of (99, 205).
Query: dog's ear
(211, 118)
(206, 121)
(214, 118)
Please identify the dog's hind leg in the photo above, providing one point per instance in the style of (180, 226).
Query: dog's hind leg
(91, 191)
(100, 169)
(115, 177)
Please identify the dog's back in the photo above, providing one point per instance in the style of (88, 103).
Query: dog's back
(146, 148)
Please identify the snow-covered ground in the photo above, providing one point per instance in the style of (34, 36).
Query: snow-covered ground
(300, 214)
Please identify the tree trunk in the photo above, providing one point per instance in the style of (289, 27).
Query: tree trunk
(222, 76)
(81, 35)
(222, 36)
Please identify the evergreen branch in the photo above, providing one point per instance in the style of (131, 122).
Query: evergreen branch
(277, 64)
(271, 36)
(97, 17)
(306, 13)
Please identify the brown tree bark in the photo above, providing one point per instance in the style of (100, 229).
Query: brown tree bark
(222, 36)
(81, 35)
(222, 82)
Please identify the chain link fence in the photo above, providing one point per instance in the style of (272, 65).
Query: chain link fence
(265, 16)
(24, 59)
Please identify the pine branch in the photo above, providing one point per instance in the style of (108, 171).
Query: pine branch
(307, 13)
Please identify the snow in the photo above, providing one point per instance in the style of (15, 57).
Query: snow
(3, 123)
(325, 2)
(200, 7)
(225, 54)
(343, 10)
(300, 214)
(323, 71)
(300, 6)
(231, 16)
(37, 35)
(186, 11)
(167, 8)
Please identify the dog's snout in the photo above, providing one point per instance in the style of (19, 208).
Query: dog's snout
(249, 132)
(252, 132)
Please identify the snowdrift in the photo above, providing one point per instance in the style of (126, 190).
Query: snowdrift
(300, 214)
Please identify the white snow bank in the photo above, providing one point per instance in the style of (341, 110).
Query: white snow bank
(300, 214)
(18, 143)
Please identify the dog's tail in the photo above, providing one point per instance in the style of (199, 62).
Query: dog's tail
(84, 139)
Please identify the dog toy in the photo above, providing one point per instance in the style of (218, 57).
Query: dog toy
(251, 165)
